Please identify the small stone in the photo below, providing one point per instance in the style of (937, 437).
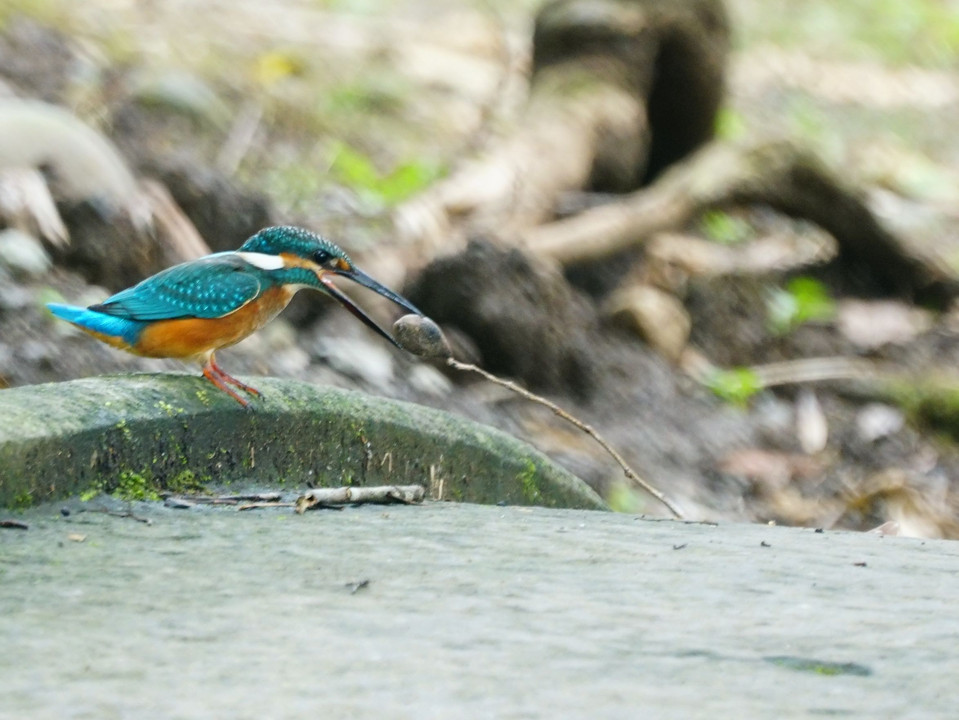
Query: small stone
(421, 336)
(812, 428)
(290, 361)
(180, 92)
(656, 316)
(890, 527)
(36, 352)
(872, 324)
(23, 255)
(358, 359)
(428, 380)
(876, 421)
(278, 335)
(16, 297)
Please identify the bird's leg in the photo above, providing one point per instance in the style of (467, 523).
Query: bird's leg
(216, 375)
(210, 374)
(232, 380)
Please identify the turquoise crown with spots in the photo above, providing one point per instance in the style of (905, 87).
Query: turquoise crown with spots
(292, 240)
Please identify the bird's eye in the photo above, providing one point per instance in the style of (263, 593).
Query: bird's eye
(321, 257)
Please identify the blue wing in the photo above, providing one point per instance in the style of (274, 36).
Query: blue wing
(210, 287)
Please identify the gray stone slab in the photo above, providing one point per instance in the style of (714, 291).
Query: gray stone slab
(469, 612)
(144, 433)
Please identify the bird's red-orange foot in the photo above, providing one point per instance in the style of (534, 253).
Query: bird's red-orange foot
(216, 375)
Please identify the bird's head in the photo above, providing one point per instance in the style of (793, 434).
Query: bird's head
(312, 260)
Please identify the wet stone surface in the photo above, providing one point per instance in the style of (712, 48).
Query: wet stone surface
(448, 610)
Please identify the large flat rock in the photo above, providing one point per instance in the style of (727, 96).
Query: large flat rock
(143, 433)
(468, 611)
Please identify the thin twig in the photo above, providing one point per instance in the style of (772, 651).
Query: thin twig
(627, 470)
(121, 514)
(815, 369)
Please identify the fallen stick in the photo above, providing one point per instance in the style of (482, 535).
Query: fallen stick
(381, 494)
(259, 505)
(823, 369)
(183, 502)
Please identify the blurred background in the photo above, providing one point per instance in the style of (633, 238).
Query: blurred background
(136, 134)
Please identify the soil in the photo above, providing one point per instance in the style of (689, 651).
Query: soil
(716, 459)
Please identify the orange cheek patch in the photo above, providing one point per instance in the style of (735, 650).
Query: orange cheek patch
(291, 261)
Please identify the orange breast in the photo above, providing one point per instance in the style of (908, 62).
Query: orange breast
(188, 338)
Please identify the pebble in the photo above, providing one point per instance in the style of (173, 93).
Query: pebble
(876, 421)
(15, 297)
(655, 315)
(428, 380)
(23, 255)
(421, 336)
(358, 359)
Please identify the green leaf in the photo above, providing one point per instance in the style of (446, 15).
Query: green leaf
(622, 498)
(736, 385)
(729, 124)
(405, 180)
(723, 228)
(815, 302)
(357, 171)
(803, 300)
(353, 168)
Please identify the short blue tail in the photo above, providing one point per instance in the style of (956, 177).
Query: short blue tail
(121, 328)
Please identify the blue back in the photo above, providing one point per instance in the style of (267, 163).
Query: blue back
(210, 287)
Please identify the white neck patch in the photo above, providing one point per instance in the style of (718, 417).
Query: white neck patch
(262, 260)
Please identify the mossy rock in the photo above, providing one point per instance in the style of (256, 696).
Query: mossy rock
(143, 434)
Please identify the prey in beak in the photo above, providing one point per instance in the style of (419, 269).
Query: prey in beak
(347, 270)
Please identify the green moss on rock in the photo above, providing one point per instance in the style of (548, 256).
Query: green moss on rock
(138, 435)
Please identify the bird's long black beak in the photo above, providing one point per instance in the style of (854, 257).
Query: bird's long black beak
(360, 277)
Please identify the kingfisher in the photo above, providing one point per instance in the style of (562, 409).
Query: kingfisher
(191, 310)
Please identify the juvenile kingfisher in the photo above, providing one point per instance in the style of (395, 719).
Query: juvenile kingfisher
(191, 310)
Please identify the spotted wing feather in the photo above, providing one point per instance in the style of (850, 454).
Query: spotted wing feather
(210, 287)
